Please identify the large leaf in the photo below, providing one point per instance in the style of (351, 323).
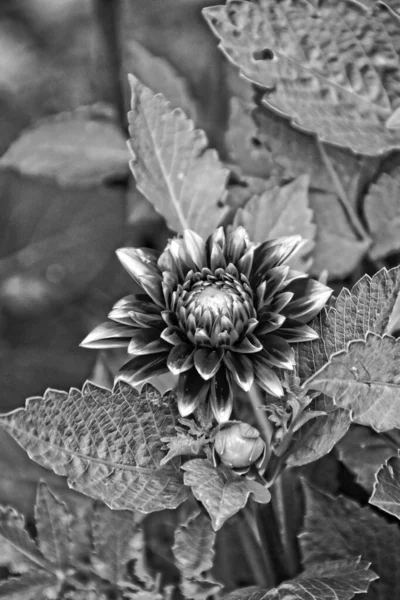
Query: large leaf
(288, 47)
(53, 521)
(113, 533)
(338, 528)
(14, 534)
(338, 248)
(382, 213)
(172, 166)
(81, 148)
(386, 494)
(363, 451)
(335, 580)
(193, 550)
(32, 585)
(108, 444)
(364, 379)
(369, 306)
(222, 492)
(280, 211)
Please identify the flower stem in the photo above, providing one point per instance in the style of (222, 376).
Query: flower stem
(257, 551)
(279, 505)
(264, 424)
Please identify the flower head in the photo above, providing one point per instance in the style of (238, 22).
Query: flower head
(213, 312)
(238, 445)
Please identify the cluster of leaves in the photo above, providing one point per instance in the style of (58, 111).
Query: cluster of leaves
(311, 148)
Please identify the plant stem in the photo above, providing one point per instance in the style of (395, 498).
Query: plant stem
(341, 193)
(280, 511)
(264, 424)
(257, 551)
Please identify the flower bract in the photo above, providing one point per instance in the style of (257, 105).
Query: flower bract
(213, 312)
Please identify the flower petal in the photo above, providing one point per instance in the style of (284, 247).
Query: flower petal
(269, 321)
(146, 341)
(241, 369)
(217, 237)
(142, 368)
(294, 331)
(180, 358)
(221, 396)
(278, 352)
(146, 320)
(247, 345)
(266, 378)
(309, 297)
(196, 248)
(274, 253)
(173, 336)
(207, 361)
(237, 242)
(191, 391)
(280, 301)
(217, 259)
(142, 268)
(108, 335)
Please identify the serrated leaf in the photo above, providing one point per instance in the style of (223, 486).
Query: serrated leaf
(317, 437)
(369, 306)
(159, 75)
(172, 166)
(334, 580)
(107, 443)
(382, 213)
(243, 145)
(280, 211)
(12, 530)
(222, 492)
(113, 533)
(194, 545)
(82, 148)
(30, 586)
(386, 494)
(53, 521)
(364, 380)
(183, 444)
(338, 528)
(287, 48)
(363, 451)
(337, 246)
(296, 153)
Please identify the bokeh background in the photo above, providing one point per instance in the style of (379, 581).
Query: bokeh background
(67, 199)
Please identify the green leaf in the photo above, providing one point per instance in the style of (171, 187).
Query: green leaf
(382, 213)
(338, 528)
(53, 521)
(335, 580)
(194, 545)
(82, 148)
(222, 492)
(159, 75)
(172, 166)
(113, 533)
(14, 534)
(29, 586)
(363, 451)
(369, 306)
(364, 380)
(244, 147)
(287, 48)
(108, 444)
(193, 551)
(280, 211)
(317, 437)
(338, 249)
(386, 495)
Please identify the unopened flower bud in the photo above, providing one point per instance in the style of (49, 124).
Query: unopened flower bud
(238, 445)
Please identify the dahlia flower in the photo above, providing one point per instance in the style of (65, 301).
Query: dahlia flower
(213, 312)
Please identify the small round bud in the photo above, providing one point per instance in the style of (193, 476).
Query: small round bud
(238, 445)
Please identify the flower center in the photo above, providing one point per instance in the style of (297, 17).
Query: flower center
(215, 309)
